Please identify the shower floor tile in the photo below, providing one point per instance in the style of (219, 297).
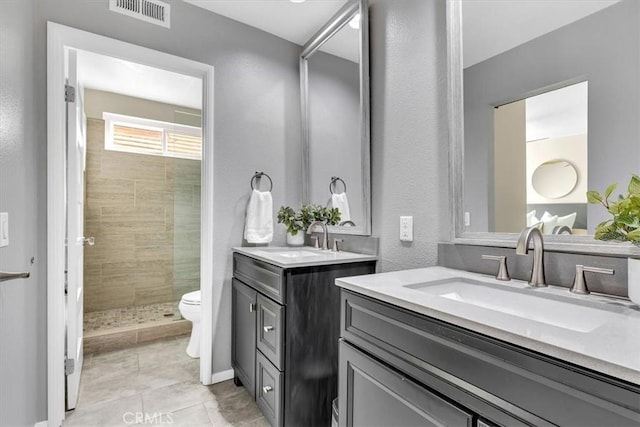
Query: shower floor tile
(96, 321)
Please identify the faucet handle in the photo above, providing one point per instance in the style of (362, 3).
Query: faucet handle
(580, 283)
(503, 272)
(316, 240)
(336, 247)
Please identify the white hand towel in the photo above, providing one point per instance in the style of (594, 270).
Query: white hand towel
(258, 227)
(339, 200)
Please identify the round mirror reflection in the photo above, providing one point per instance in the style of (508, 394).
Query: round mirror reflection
(554, 179)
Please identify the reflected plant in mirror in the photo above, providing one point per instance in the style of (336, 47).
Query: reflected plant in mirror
(625, 224)
(540, 98)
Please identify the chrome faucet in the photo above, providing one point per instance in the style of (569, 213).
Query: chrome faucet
(522, 248)
(325, 235)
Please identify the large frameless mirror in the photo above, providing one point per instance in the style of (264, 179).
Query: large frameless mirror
(334, 76)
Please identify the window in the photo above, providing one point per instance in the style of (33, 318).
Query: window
(145, 136)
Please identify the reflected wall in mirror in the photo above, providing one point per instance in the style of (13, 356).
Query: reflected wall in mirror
(532, 72)
(530, 137)
(335, 118)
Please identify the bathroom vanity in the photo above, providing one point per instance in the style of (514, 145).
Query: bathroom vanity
(439, 346)
(285, 328)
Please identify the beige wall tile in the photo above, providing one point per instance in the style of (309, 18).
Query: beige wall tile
(133, 166)
(132, 201)
(154, 295)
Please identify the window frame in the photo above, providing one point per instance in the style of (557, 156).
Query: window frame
(113, 119)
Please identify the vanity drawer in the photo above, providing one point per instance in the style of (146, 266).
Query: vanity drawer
(269, 390)
(372, 393)
(488, 376)
(261, 276)
(270, 330)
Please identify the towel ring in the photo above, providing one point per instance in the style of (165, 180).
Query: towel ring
(259, 175)
(334, 179)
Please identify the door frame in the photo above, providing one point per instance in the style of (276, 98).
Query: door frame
(59, 39)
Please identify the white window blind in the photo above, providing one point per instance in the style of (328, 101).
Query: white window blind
(153, 137)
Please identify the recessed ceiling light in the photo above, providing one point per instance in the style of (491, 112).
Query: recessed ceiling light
(297, 1)
(355, 22)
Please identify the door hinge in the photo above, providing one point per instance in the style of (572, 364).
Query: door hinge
(69, 366)
(69, 93)
(66, 282)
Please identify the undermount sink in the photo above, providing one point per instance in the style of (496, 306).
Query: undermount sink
(293, 253)
(523, 303)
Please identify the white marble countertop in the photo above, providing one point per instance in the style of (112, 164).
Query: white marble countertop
(611, 346)
(304, 256)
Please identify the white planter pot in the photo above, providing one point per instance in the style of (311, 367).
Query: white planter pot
(634, 280)
(297, 240)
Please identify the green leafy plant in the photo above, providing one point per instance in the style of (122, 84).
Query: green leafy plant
(300, 220)
(625, 224)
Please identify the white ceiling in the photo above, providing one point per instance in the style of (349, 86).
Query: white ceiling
(115, 75)
(491, 27)
(558, 113)
(295, 22)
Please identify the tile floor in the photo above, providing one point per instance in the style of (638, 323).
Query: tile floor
(160, 382)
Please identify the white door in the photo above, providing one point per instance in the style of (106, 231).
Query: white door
(76, 149)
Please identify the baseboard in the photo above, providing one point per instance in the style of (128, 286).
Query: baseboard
(218, 377)
(41, 424)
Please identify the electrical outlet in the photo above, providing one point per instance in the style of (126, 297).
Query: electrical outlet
(406, 228)
(4, 229)
(467, 219)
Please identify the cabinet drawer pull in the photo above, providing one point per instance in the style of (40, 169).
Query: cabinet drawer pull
(268, 328)
(252, 308)
(267, 389)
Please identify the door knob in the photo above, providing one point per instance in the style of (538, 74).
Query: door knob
(268, 328)
(90, 241)
(267, 389)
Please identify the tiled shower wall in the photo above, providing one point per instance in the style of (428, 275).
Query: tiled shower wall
(144, 212)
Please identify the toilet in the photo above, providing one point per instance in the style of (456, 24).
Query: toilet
(190, 309)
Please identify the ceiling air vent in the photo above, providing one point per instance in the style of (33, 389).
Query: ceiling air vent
(153, 11)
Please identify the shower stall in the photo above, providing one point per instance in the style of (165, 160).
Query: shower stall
(144, 212)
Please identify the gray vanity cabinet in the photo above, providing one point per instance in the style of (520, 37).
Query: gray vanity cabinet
(285, 330)
(243, 339)
(417, 366)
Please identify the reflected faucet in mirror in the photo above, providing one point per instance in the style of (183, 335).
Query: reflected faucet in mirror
(533, 234)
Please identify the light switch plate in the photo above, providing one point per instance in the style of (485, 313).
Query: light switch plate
(406, 228)
(4, 229)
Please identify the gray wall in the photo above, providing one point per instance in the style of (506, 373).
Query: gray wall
(23, 307)
(409, 147)
(602, 48)
(334, 130)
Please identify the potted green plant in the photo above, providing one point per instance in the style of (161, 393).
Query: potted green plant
(624, 226)
(298, 221)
